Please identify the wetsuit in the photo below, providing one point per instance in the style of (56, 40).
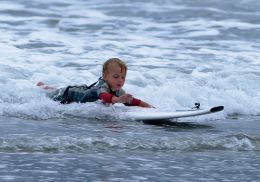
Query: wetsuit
(82, 94)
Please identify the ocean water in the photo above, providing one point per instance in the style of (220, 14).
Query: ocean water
(178, 53)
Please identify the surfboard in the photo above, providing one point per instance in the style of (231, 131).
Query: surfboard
(154, 114)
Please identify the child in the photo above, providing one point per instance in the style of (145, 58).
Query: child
(108, 88)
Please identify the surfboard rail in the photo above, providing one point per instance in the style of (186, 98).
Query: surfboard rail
(154, 114)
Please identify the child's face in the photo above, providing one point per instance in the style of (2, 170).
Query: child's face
(115, 77)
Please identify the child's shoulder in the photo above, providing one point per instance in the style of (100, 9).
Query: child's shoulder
(102, 83)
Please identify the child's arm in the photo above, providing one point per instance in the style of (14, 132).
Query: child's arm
(126, 99)
(129, 100)
(144, 104)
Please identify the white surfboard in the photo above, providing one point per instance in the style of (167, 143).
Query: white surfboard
(154, 114)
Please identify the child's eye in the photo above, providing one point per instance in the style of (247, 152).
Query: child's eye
(116, 76)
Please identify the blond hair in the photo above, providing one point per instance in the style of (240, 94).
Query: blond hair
(113, 61)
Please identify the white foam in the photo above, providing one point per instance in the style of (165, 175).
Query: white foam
(171, 63)
(10, 6)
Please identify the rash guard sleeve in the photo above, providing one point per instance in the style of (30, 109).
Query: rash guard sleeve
(107, 98)
(135, 102)
(104, 94)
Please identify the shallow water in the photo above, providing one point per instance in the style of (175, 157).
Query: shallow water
(178, 53)
(76, 150)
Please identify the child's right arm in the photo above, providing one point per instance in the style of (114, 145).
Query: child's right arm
(109, 98)
(125, 99)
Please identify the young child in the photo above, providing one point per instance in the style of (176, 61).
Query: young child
(108, 88)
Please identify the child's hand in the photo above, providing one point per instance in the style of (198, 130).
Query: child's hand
(126, 99)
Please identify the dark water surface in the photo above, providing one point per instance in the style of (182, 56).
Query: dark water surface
(71, 150)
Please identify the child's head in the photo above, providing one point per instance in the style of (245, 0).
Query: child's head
(114, 73)
(112, 62)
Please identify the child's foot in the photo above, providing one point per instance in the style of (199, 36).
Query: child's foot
(42, 85)
(39, 84)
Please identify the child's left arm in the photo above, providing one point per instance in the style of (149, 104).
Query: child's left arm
(144, 104)
(129, 100)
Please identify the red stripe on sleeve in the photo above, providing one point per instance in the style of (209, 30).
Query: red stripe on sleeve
(106, 97)
(135, 102)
